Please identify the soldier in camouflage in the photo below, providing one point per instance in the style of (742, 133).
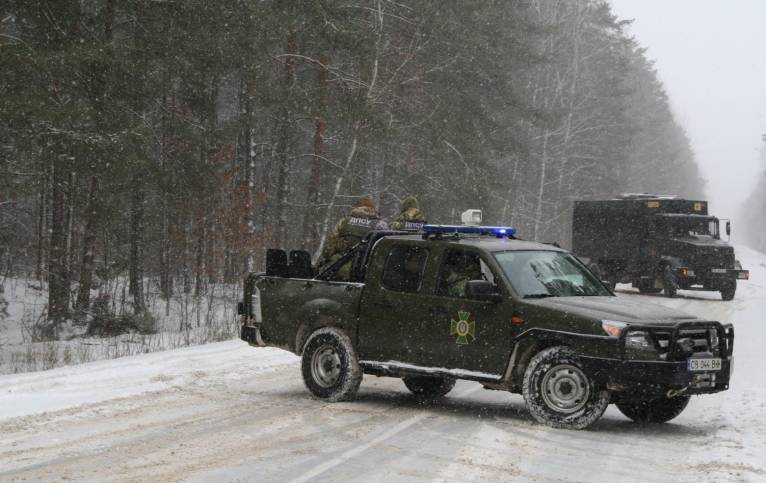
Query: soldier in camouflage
(410, 217)
(351, 230)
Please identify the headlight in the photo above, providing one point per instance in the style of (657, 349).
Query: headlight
(613, 327)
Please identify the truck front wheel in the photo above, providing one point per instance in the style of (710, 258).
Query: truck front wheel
(669, 283)
(659, 410)
(428, 387)
(330, 366)
(728, 289)
(559, 393)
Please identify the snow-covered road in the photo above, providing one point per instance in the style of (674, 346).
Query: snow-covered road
(229, 412)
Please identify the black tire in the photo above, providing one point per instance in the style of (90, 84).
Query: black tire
(728, 290)
(659, 410)
(330, 365)
(669, 284)
(558, 393)
(429, 387)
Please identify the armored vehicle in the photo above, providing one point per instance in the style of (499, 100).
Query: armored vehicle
(474, 303)
(657, 243)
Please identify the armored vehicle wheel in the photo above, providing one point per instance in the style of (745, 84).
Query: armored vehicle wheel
(559, 393)
(426, 387)
(654, 411)
(728, 290)
(669, 284)
(330, 366)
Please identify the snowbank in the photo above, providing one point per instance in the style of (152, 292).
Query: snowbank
(66, 387)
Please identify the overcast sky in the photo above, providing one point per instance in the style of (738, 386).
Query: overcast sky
(711, 56)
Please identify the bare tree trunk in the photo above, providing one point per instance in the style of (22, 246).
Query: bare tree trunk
(136, 245)
(325, 227)
(541, 188)
(41, 222)
(310, 224)
(69, 223)
(88, 245)
(186, 265)
(58, 295)
(200, 259)
(283, 142)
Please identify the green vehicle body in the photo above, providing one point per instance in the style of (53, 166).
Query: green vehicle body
(400, 334)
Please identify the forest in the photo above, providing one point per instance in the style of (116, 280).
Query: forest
(170, 143)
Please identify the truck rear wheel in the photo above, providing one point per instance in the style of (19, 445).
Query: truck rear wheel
(647, 286)
(559, 393)
(728, 290)
(659, 410)
(330, 365)
(429, 387)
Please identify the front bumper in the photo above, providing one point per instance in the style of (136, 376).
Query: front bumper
(667, 368)
(711, 278)
(657, 377)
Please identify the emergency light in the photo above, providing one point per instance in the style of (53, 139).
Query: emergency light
(498, 231)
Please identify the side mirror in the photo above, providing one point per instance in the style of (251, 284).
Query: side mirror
(482, 290)
(728, 228)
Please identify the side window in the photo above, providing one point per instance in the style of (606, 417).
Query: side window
(404, 268)
(457, 268)
(486, 273)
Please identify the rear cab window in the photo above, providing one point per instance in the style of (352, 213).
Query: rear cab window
(404, 268)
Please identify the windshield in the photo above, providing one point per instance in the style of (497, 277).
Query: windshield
(679, 227)
(542, 273)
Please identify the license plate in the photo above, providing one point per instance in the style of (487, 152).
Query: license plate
(719, 270)
(705, 364)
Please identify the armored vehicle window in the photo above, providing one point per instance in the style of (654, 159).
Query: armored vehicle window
(459, 267)
(404, 268)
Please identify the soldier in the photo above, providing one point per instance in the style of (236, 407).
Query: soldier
(410, 217)
(461, 268)
(351, 230)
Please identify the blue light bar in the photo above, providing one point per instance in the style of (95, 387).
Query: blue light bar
(500, 231)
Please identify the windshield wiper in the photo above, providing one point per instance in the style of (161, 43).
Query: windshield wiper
(538, 295)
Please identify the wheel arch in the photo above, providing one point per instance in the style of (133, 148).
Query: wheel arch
(318, 314)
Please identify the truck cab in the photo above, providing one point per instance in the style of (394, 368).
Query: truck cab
(475, 303)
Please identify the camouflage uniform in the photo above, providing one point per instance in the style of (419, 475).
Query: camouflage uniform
(410, 217)
(461, 270)
(351, 230)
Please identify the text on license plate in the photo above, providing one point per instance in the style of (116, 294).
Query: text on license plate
(705, 364)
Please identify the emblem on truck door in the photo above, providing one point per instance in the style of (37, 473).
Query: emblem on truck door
(463, 328)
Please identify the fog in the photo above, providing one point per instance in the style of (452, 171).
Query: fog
(711, 56)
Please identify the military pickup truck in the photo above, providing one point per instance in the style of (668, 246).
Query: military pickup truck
(657, 243)
(474, 303)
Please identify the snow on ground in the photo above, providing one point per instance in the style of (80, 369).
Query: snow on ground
(66, 387)
(228, 412)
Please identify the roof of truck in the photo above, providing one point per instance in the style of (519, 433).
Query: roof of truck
(484, 242)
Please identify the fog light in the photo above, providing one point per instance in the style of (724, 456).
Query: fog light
(713, 334)
(636, 340)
